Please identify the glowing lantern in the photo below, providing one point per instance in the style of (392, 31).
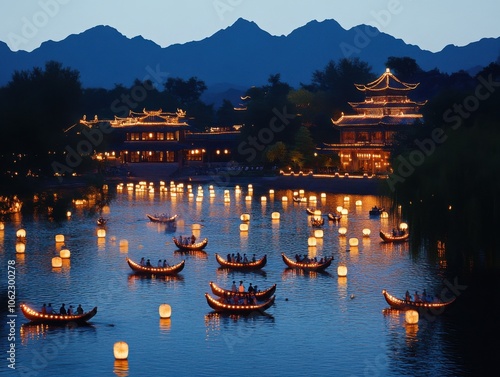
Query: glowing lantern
(263, 198)
(295, 193)
(311, 241)
(384, 215)
(59, 238)
(120, 350)
(271, 191)
(243, 227)
(20, 247)
(101, 233)
(318, 233)
(57, 262)
(346, 199)
(312, 198)
(323, 195)
(68, 214)
(191, 195)
(105, 210)
(245, 217)
(275, 215)
(284, 199)
(339, 208)
(342, 230)
(64, 253)
(317, 212)
(366, 232)
(353, 242)
(301, 192)
(403, 226)
(248, 198)
(2, 226)
(199, 198)
(196, 227)
(344, 211)
(21, 233)
(359, 202)
(342, 271)
(411, 317)
(165, 311)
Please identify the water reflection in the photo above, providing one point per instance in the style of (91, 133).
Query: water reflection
(120, 368)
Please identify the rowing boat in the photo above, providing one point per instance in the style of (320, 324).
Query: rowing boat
(219, 306)
(257, 265)
(310, 266)
(150, 270)
(398, 303)
(191, 246)
(161, 218)
(260, 296)
(388, 237)
(36, 316)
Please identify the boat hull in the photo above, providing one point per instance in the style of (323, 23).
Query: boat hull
(257, 265)
(318, 267)
(194, 246)
(400, 304)
(238, 309)
(167, 271)
(390, 238)
(261, 296)
(37, 317)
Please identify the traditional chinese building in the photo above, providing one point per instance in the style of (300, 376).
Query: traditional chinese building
(367, 136)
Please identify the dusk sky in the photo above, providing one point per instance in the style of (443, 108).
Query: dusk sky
(429, 24)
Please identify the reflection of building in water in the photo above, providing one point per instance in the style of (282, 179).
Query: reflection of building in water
(367, 136)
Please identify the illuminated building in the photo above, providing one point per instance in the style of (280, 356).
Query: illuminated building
(366, 137)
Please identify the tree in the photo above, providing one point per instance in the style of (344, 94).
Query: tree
(185, 91)
(277, 153)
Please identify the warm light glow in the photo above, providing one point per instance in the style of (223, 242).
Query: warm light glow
(2, 226)
(323, 195)
(243, 227)
(271, 191)
(342, 271)
(248, 198)
(344, 211)
(120, 350)
(275, 215)
(65, 253)
(57, 262)
(20, 247)
(359, 202)
(284, 199)
(227, 199)
(199, 198)
(339, 208)
(101, 233)
(165, 310)
(311, 241)
(318, 233)
(384, 215)
(342, 230)
(312, 198)
(245, 217)
(346, 199)
(411, 317)
(366, 232)
(403, 226)
(68, 214)
(21, 233)
(353, 242)
(196, 227)
(59, 238)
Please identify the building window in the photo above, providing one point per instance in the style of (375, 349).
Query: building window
(377, 137)
(362, 137)
(170, 136)
(160, 136)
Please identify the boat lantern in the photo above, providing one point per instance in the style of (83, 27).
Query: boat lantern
(57, 262)
(312, 198)
(245, 217)
(284, 199)
(311, 241)
(64, 253)
(366, 232)
(101, 233)
(120, 350)
(263, 199)
(244, 227)
(20, 247)
(317, 212)
(339, 208)
(59, 238)
(403, 226)
(165, 310)
(342, 271)
(275, 215)
(353, 242)
(21, 233)
(271, 191)
(342, 230)
(318, 233)
(411, 317)
(359, 202)
(384, 215)
(344, 211)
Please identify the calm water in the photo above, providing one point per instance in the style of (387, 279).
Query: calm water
(320, 325)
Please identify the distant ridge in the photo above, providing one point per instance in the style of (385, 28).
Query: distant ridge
(240, 55)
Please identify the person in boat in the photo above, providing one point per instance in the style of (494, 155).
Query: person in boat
(255, 289)
(165, 264)
(233, 287)
(254, 258)
(79, 309)
(394, 233)
(253, 299)
(250, 288)
(70, 310)
(417, 297)
(193, 239)
(407, 296)
(160, 264)
(62, 310)
(142, 262)
(44, 309)
(148, 263)
(49, 309)
(241, 288)
(180, 240)
(228, 257)
(245, 259)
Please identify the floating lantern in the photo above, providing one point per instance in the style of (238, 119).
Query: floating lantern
(342, 230)
(105, 210)
(227, 199)
(403, 226)
(21, 233)
(120, 350)
(248, 198)
(165, 310)
(64, 253)
(384, 215)
(57, 262)
(411, 317)
(318, 233)
(295, 193)
(359, 202)
(346, 199)
(263, 199)
(312, 198)
(284, 199)
(275, 215)
(323, 195)
(199, 198)
(353, 242)
(271, 191)
(339, 208)
(342, 271)
(366, 232)
(243, 227)
(344, 211)
(101, 233)
(191, 195)
(68, 214)
(317, 212)
(301, 192)
(2, 226)
(311, 241)
(20, 247)
(245, 217)
(59, 238)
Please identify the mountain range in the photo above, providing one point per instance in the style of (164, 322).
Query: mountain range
(238, 56)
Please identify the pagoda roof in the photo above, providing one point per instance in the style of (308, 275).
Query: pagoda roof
(377, 105)
(387, 82)
(370, 121)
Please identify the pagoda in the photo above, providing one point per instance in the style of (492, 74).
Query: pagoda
(367, 136)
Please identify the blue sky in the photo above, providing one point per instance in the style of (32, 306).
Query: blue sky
(432, 25)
